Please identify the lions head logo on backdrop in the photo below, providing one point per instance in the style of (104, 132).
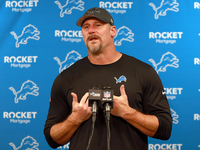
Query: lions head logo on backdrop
(27, 88)
(69, 6)
(28, 143)
(123, 34)
(166, 5)
(174, 116)
(64, 147)
(70, 59)
(167, 60)
(29, 32)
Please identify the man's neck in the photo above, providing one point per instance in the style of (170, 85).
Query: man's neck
(104, 58)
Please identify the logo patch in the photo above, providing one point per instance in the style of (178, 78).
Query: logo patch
(20, 117)
(69, 6)
(165, 37)
(116, 7)
(167, 60)
(196, 61)
(21, 5)
(165, 5)
(174, 116)
(27, 88)
(173, 92)
(29, 32)
(196, 5)
(123, 34)
(121, 78)
(196, 117)
(20, 61)
(107, 94)
(69, 36)
(70, 59)
(64, 147)
(28, 143)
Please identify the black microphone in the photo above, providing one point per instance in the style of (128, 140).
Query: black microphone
(107, 98)
(107, 103)
(94, 102)
(94, 98)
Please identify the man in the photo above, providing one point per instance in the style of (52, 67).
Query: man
(140, 107)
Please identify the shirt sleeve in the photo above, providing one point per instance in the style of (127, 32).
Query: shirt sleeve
(58, 110)
(155, 103)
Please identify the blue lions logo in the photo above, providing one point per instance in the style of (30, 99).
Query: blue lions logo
(167, 60)
(123, 34)
(70, 59)
(28, 143)
(121, 78)
(29, 32)
(69, 6)
(164, 7)
(27, 88)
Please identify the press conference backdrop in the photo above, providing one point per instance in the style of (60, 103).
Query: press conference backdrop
(39, 39)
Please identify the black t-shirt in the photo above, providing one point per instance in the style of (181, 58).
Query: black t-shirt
(144, 90)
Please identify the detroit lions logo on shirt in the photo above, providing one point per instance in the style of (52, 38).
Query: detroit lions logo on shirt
(121, 78)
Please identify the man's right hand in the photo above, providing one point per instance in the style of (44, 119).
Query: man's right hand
(80, 110)
(63, 131)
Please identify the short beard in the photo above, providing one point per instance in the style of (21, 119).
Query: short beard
(96, 49)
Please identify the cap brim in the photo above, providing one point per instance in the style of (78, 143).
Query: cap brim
(83, 18)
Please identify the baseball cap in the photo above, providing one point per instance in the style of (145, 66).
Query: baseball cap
(98, 13)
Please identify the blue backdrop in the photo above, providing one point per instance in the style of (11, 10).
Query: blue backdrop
(37, 38)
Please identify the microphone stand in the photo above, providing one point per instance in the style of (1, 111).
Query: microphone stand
(94, 99)
(107, 116)
(107, 102)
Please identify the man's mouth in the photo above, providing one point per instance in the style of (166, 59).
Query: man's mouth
(93, 37)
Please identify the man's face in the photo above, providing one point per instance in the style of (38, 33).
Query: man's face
(96, 34)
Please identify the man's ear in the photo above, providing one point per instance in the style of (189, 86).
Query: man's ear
(113, 31)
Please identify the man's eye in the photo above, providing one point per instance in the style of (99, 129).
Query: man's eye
(85, 27)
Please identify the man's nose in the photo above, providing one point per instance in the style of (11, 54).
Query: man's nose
(91, 29)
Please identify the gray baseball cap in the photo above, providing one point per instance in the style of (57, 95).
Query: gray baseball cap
(98, 13)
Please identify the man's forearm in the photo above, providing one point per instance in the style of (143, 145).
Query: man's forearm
(147, 124)
(62, 132)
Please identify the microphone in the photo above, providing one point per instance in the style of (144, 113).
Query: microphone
(94, 102)
(104, 100)
(107, 103)
(94, 98)
(107, 98)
